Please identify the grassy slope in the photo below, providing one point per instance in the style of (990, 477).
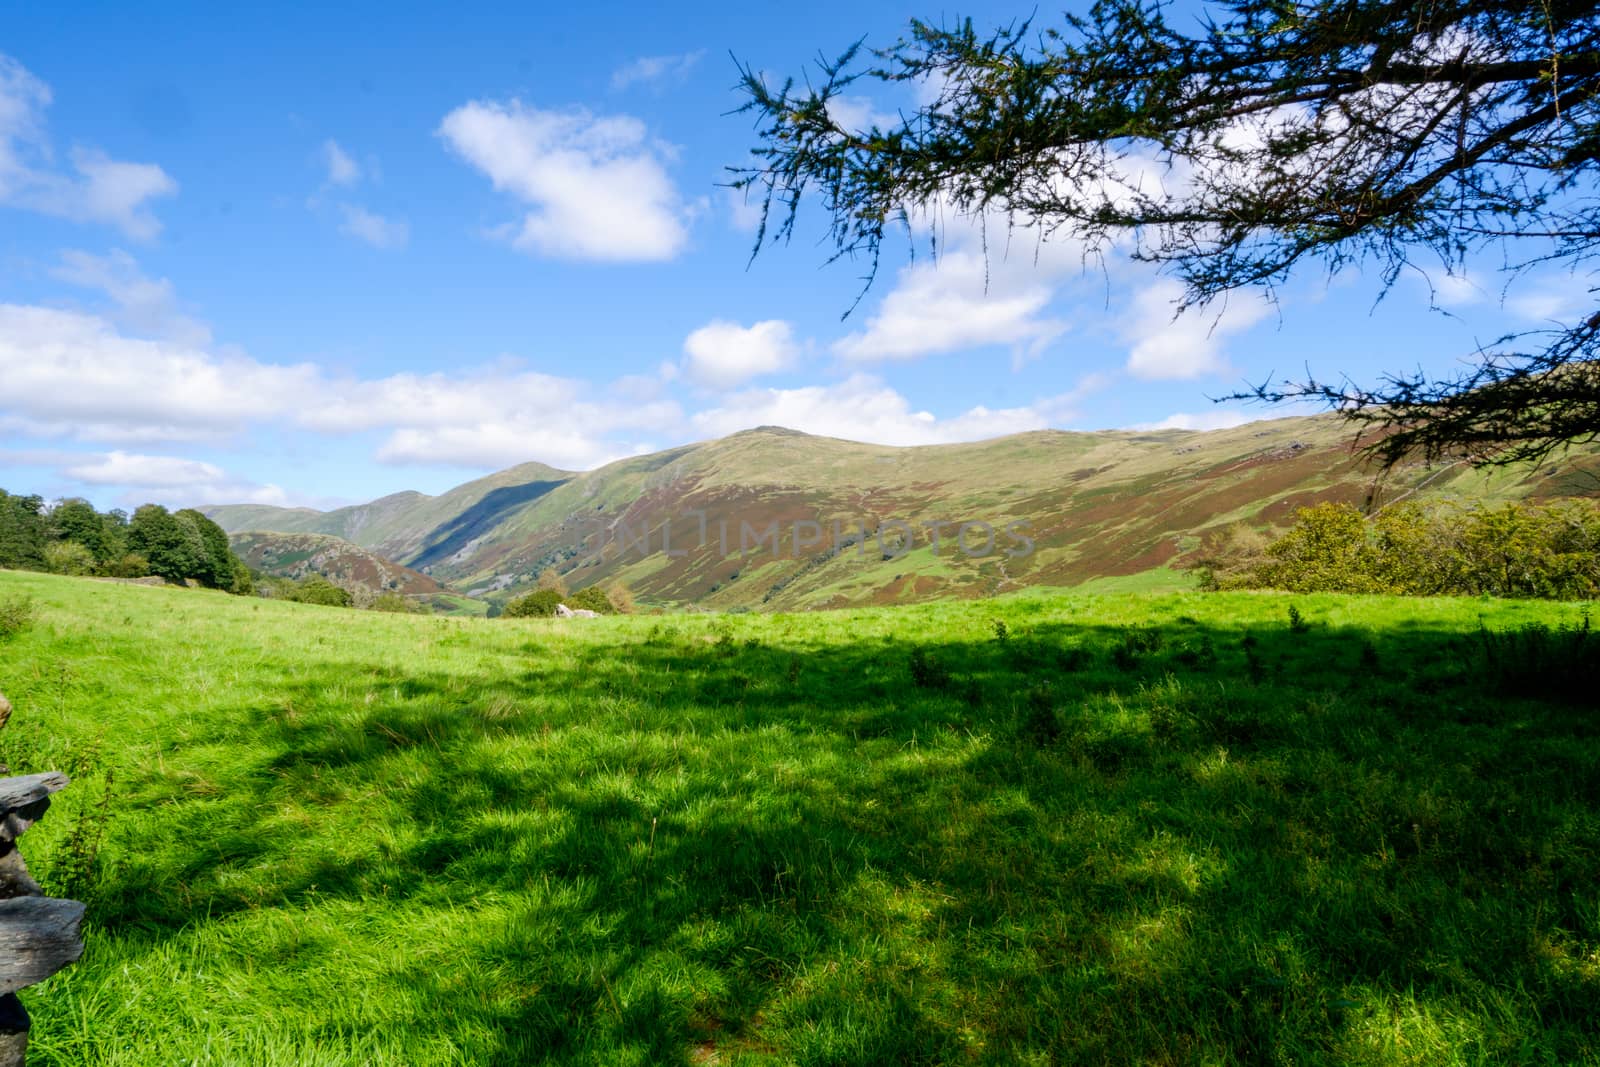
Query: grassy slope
(395, 526)
(346, 838)
(294, 555)
(1101, 505)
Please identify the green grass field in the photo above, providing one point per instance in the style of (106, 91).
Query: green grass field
(1133, 829)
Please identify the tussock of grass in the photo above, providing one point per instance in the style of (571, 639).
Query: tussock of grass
(1155, 830)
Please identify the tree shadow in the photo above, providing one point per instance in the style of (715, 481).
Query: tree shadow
(1092, 843)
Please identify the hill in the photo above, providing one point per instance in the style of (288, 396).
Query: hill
(1121, 829)
(1108, 506)
(363, 573)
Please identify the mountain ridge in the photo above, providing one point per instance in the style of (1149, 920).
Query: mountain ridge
(1095, 504)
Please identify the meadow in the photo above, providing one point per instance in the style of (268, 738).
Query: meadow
(1047, 828)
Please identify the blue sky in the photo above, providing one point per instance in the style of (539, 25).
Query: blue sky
(313, 257)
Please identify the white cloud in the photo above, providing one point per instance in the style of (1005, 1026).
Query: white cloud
(342, 170)
(147, 472)
(744, 209)
(1552, 298)
(655, 69)
(98, 188)
(1455, 289)
(374, 229)
(858, 114)
(596, 186)
(171, 479)
(964, 299)
(146, 304)
(863, 408)
(1222, 419)
(1191, 344)
(72, 375)
(501, 444)
(723, 354)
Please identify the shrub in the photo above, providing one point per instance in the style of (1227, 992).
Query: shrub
(621, 598)
(392, 602)
(16, 615)
(1232, 558)
(592, 598)
(68, 557)
(315, 589)
(550, 581)
(1515, 550)
(128, 565)
(1326, 551)
(539, 604)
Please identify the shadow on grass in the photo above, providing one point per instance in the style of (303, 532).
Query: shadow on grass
(1090, 844)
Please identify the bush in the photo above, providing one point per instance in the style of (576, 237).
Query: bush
(392, 602)
(1515, 550)
(593, 598)
(539, 604)
(68, 557)
(128, 565)
(621, 598)
(16, 615)
(315, 589)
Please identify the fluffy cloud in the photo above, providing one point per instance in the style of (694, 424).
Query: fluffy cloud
(1191, 344)
(168, 479)
(97, 189)
(596, 186)
(1222, 419)
(965, 299)
(864, 408)
(374, 229)
(858, 114)
(655, 69)
(723, 354)
(73, 375)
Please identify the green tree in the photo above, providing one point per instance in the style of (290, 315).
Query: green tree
(539, 604)
(1326, 551)
(23, 532)
(75, 520)
(1382, 132)
(593, 598)
(220, 568)
(173, 548)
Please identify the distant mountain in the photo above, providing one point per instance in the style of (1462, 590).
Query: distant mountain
(365, 574)
(1102, 505)
(403, 526)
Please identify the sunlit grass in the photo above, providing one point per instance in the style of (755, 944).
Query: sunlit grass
(352, 838)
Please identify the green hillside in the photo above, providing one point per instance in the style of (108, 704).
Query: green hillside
(1041, 828)
(361, 572)
(1094, 506)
